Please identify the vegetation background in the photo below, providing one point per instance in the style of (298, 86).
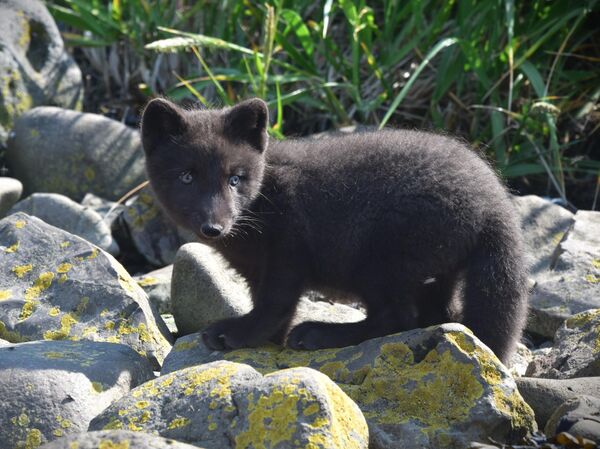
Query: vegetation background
(519, 80)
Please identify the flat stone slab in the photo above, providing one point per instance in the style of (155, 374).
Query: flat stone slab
(223, 405)
(57, 286)
(436, 387)
(53, 388)
(64, 213)
(576, 352)
(115, 439)
(573, 284)
(73, 153)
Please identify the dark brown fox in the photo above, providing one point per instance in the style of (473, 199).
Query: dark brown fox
(395, 218)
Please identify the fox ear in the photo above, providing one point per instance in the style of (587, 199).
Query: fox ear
(247, 121)
(161, 119)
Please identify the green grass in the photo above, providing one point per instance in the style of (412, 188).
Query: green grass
(518, 79)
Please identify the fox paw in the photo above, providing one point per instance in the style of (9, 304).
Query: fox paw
(232, 333)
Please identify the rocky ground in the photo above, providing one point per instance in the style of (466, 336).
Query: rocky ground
(101, 305)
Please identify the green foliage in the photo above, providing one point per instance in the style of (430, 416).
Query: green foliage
(517, 78)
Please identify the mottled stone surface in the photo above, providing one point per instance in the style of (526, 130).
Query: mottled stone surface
(579, 416)
(153, 234)
(544, 224)
(576, 352)
(436, 387)
(573, 283)
(35, 68)
(72, 153)
(204, 290)
(157, 285)
(115, 439)
(225, 405)
(64, 213)
(53, 388)
(57, 286)
(10, 192)
(546, 395)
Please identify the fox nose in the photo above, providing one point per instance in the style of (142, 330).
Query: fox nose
(211, 230)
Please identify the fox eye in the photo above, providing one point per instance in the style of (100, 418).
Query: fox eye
(186, 177)
(234, 180)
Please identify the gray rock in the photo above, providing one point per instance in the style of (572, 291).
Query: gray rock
(57, 286)
(115, 439)
(64, 213)
(438, 387)
(579, 416)
(157, 285)
(35, 68)
(544, 224)
(520, 360)
(153, 234)
(61, 151)
(576, 352)
(224, 405)
(108, 210)
(204, 289)
(573, 284)
(546, 395)
(10, 192)
(54, 388)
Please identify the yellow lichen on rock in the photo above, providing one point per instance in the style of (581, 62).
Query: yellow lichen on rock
(43, 282)
(5, 294)
(22, 270)
(108, 444)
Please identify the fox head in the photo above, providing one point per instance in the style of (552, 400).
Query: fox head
(205, 166)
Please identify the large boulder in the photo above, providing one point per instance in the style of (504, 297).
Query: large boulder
(573, 283)
(436, 387)
(72, 153)
(10, 192)
(57, 286)
(576, 352)
(205, 289)
(579, 416)
(64, 213)
(54, 388)
(35, 68)
(115, 439)
(224, 405)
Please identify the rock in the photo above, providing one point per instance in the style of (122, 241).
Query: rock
(436, 387)
(35, 68)
(224, 405)
(520, 360)
(170, 322)
(115, 439)
(61, 151)
(544, 224)
(64, 213)
(153, 234)
(576, 352)
(579, 416)
(204, 289)
(10, 192)
(546, 395)
(108, 210)
(573, 284)
(157, 285)
(57, 286)
(53, 388)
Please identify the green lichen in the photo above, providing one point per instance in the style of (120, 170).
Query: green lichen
(22, 270)
(42, 283)
(178, 423)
